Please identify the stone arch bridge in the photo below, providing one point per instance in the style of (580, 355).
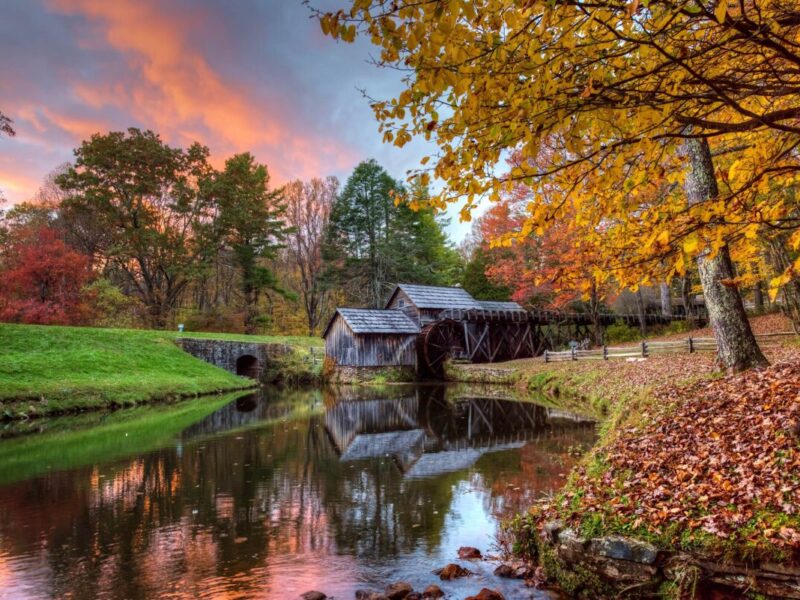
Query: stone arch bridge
(247, 359)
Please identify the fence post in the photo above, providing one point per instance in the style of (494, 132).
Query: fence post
(574, 356)
(644, 349)
(691, 345)
(605, 352)
(545, 355)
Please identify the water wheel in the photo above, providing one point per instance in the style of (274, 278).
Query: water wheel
(437, 342)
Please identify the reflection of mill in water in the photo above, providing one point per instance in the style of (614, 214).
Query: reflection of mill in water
(428, 435)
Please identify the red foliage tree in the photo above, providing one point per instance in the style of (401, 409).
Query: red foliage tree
(550, 267)
(41, 279)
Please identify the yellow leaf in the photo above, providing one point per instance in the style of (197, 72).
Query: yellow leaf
(732, 170)
(776, 284)
(691, 244)
(721, 10)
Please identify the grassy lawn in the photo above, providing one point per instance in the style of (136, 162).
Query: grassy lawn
(48, 369)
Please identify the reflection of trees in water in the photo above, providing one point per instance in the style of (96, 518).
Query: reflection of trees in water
(221, 506)
(253, 409)
(479, 420)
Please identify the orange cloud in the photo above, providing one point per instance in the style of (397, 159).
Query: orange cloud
(15, 186)
(173, 89)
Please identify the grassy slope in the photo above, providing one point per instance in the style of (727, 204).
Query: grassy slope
(60, 369)
(299, 342)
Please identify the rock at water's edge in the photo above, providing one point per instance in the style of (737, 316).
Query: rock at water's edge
(370, 595)
(505, 571)
(452, 571)
(622, 548)
(398, 591)
(469, 553)
(487, 594)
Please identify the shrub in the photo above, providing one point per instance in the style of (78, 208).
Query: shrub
(622, 332)
(677, 327)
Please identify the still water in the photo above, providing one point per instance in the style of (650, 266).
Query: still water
(274, 494)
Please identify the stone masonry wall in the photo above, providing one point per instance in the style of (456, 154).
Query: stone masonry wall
(224, 354)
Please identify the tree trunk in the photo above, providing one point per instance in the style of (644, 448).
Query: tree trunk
(597, 327)
(688, 305)
(737, 348)
(640, 310)
(758, 297)
(250, 309)
(666, 301)
(157, 316)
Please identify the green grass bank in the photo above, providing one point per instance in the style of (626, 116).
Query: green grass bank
(46, 370)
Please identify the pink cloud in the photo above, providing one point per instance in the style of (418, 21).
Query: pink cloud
(171, 87)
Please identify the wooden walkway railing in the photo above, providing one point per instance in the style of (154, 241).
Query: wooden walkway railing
(645, 348)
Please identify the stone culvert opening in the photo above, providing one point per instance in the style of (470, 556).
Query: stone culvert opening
(247, 366)
(247, 403)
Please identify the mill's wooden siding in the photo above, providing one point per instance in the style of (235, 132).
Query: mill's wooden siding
(420, 316)
(369, 349)
(428, 315)
(401, 301)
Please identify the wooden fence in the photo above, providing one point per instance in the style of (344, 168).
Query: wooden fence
(645, 348)
(315, 355)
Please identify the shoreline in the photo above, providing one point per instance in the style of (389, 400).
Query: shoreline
(598, 552)
(111, 406)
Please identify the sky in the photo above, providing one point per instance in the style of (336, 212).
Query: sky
(249, 75)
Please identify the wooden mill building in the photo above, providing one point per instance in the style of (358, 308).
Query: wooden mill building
(423, 303)
(361, 337)
(423, 326)
(420, 326)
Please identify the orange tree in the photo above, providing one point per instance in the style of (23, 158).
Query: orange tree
(554, 265)
(634, 100)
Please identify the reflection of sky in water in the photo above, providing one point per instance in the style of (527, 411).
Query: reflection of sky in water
(266, 501)
(468, 522)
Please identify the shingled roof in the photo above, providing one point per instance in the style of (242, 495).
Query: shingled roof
(427, 296)
(494, 305)
(372, 320)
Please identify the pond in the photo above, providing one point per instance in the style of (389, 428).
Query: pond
(276, 493)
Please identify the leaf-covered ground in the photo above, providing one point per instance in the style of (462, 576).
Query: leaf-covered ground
(715, 465)
(688, 459)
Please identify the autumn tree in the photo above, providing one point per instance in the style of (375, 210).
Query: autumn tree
(144, 194)
(250, 223)
(42, 279)
(627, 97)
(308, 208)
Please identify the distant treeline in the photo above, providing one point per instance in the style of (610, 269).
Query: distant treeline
(137, 233)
